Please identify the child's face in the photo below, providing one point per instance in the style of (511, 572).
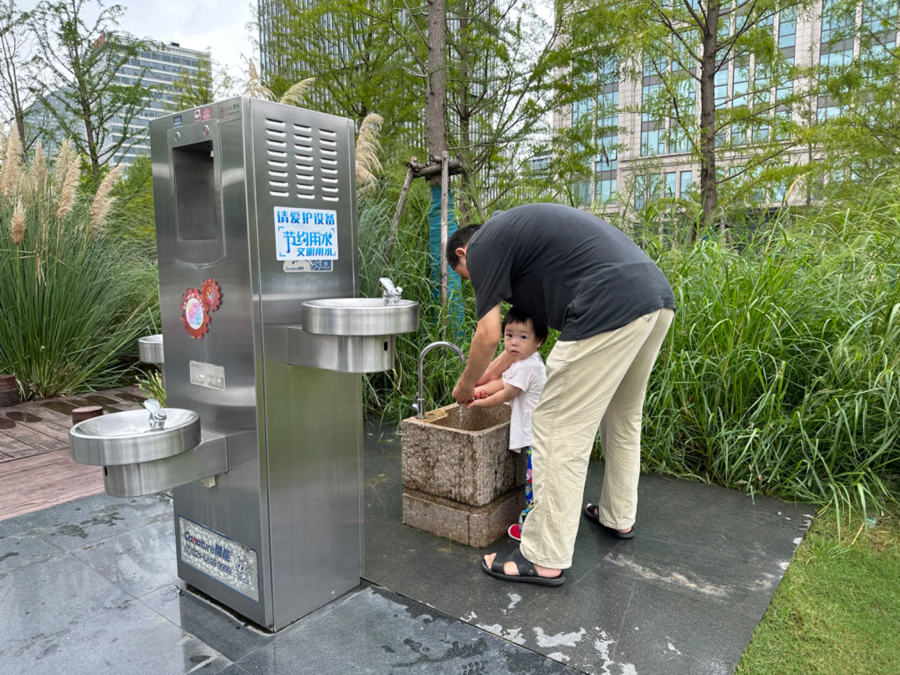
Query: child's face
(519, 340)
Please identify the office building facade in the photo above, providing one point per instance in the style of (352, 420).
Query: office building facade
(641, 156)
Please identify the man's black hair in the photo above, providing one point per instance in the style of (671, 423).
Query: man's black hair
(516, 315)
(459, 239)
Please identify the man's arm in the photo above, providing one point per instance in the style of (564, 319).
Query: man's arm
(497, 368)
(484, 344)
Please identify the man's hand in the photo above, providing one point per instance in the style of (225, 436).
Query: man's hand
(484, 344)
(462, 393)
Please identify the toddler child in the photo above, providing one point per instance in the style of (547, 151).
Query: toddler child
(517, 375)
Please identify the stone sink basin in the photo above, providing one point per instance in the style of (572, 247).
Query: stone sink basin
(460, 480)
(360, 316)
(126, 437)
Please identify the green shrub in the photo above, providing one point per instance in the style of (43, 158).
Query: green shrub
(72, 305)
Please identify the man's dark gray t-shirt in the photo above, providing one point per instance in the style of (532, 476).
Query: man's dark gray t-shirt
(573, 270)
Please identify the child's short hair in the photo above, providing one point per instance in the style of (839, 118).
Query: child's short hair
(516, 315)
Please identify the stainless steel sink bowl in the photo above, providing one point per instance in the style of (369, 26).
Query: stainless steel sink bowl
(126, 437)
(360, 316)
(150, 348)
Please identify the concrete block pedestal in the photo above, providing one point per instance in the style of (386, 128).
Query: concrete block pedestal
(460, 480)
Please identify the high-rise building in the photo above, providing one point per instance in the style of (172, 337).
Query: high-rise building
(161, 65)
(273, 61)
(643, 158)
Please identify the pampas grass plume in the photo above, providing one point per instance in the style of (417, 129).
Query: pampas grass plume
(38, 173)
(255, 88)
(103, 200)
(11, 171)
(368, 145)
(17, 225)
(67, 172)
(297, 93)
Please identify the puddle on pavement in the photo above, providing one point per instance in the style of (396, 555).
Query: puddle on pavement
(19, 416)
(60, 407)
(97, 399)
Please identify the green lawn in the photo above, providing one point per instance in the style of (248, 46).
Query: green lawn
(837, 609)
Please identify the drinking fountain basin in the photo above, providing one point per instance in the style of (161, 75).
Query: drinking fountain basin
(127, 438)
(360, 316)
(150, 348)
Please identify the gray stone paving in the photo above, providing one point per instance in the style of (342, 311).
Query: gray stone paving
(90, 587)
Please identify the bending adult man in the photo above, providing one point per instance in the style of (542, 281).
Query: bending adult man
(613, 307)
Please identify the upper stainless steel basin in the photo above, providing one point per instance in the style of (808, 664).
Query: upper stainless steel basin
(360, 316)
(150, 348)
(126, 437)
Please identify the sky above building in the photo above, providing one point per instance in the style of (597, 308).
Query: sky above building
(218, 25)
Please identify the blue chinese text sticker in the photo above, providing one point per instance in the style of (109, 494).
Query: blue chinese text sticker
(305, 234)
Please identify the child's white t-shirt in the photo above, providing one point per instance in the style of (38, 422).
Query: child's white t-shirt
(529, 375)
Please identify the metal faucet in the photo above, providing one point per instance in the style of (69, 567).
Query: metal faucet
(392, 293)
(157, 414)
(420, 399)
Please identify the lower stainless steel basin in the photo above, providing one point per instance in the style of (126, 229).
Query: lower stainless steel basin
(126, 437)
(360, 316)
(150, 348)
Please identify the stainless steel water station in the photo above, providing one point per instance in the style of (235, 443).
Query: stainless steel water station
(265, 341)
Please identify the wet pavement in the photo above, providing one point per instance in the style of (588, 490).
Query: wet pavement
(90, 586)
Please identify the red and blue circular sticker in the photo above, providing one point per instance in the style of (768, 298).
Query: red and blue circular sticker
(196, 305)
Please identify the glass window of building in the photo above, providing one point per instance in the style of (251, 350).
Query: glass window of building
(684, 178)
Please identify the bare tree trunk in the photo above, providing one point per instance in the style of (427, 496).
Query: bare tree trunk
(445, 186)
(708, 190)
(436, 87)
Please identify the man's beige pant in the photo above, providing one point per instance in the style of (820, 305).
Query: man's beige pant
(597, 381)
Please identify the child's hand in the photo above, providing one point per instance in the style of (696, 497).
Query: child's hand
(477, 402)
(480, 393)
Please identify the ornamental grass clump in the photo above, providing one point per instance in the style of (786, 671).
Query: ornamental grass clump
(71, 306)
(780, 373)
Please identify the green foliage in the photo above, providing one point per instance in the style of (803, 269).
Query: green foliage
(779, 375)
(80, 62)
(497, 89)
(151, 384)
(369, 73)
(131, 225)
(72, 303)
(862, 141)
(675, 52)
(204, 85)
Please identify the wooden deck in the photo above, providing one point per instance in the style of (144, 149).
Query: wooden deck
(36, 470)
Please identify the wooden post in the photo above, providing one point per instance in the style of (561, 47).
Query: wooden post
(9, 391)
(392, 234)
(445, 181)
(86, 413)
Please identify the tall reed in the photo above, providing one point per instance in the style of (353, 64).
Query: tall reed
(779, 375)
(71, 306)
